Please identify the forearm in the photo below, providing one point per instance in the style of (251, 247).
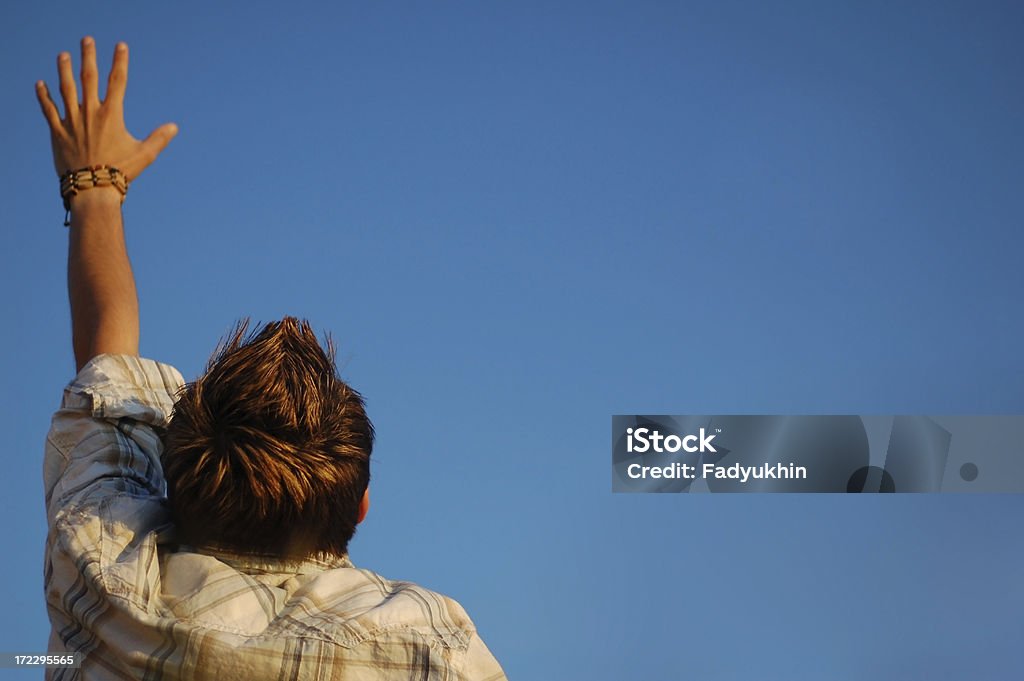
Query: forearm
(101, 287)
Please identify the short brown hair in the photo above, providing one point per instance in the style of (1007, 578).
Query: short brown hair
(268, 452)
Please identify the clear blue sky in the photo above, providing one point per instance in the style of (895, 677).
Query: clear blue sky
(520, 218)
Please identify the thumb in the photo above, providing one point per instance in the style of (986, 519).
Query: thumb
(157, 140)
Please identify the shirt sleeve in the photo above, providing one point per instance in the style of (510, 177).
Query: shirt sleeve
(106, 437)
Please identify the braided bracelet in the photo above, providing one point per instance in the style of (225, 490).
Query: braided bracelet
(74, 181)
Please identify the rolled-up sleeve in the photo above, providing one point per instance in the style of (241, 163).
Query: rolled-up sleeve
(105, 438)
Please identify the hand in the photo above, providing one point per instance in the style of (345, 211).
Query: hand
(93, 132)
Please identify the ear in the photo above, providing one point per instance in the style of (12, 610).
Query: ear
(364, 506)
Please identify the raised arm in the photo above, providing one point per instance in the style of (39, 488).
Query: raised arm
(101, 287)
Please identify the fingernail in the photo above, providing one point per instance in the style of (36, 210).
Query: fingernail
(64, 56)
(87, 40)
(121, 47)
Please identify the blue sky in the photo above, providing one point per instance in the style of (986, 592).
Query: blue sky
(518, 219)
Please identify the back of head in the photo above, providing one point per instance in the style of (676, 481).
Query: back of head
(268, 452)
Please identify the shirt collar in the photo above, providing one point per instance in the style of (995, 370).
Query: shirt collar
(240, 561)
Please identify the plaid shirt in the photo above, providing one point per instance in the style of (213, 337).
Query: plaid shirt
(137, 610)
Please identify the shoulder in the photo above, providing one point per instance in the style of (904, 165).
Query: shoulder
(367, 605)
(404, 623)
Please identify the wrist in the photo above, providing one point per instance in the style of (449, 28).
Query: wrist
(97, 205)
(93, 197)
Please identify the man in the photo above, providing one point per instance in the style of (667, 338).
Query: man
(241, 569)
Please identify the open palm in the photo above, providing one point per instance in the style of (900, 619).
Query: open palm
(93, 132)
